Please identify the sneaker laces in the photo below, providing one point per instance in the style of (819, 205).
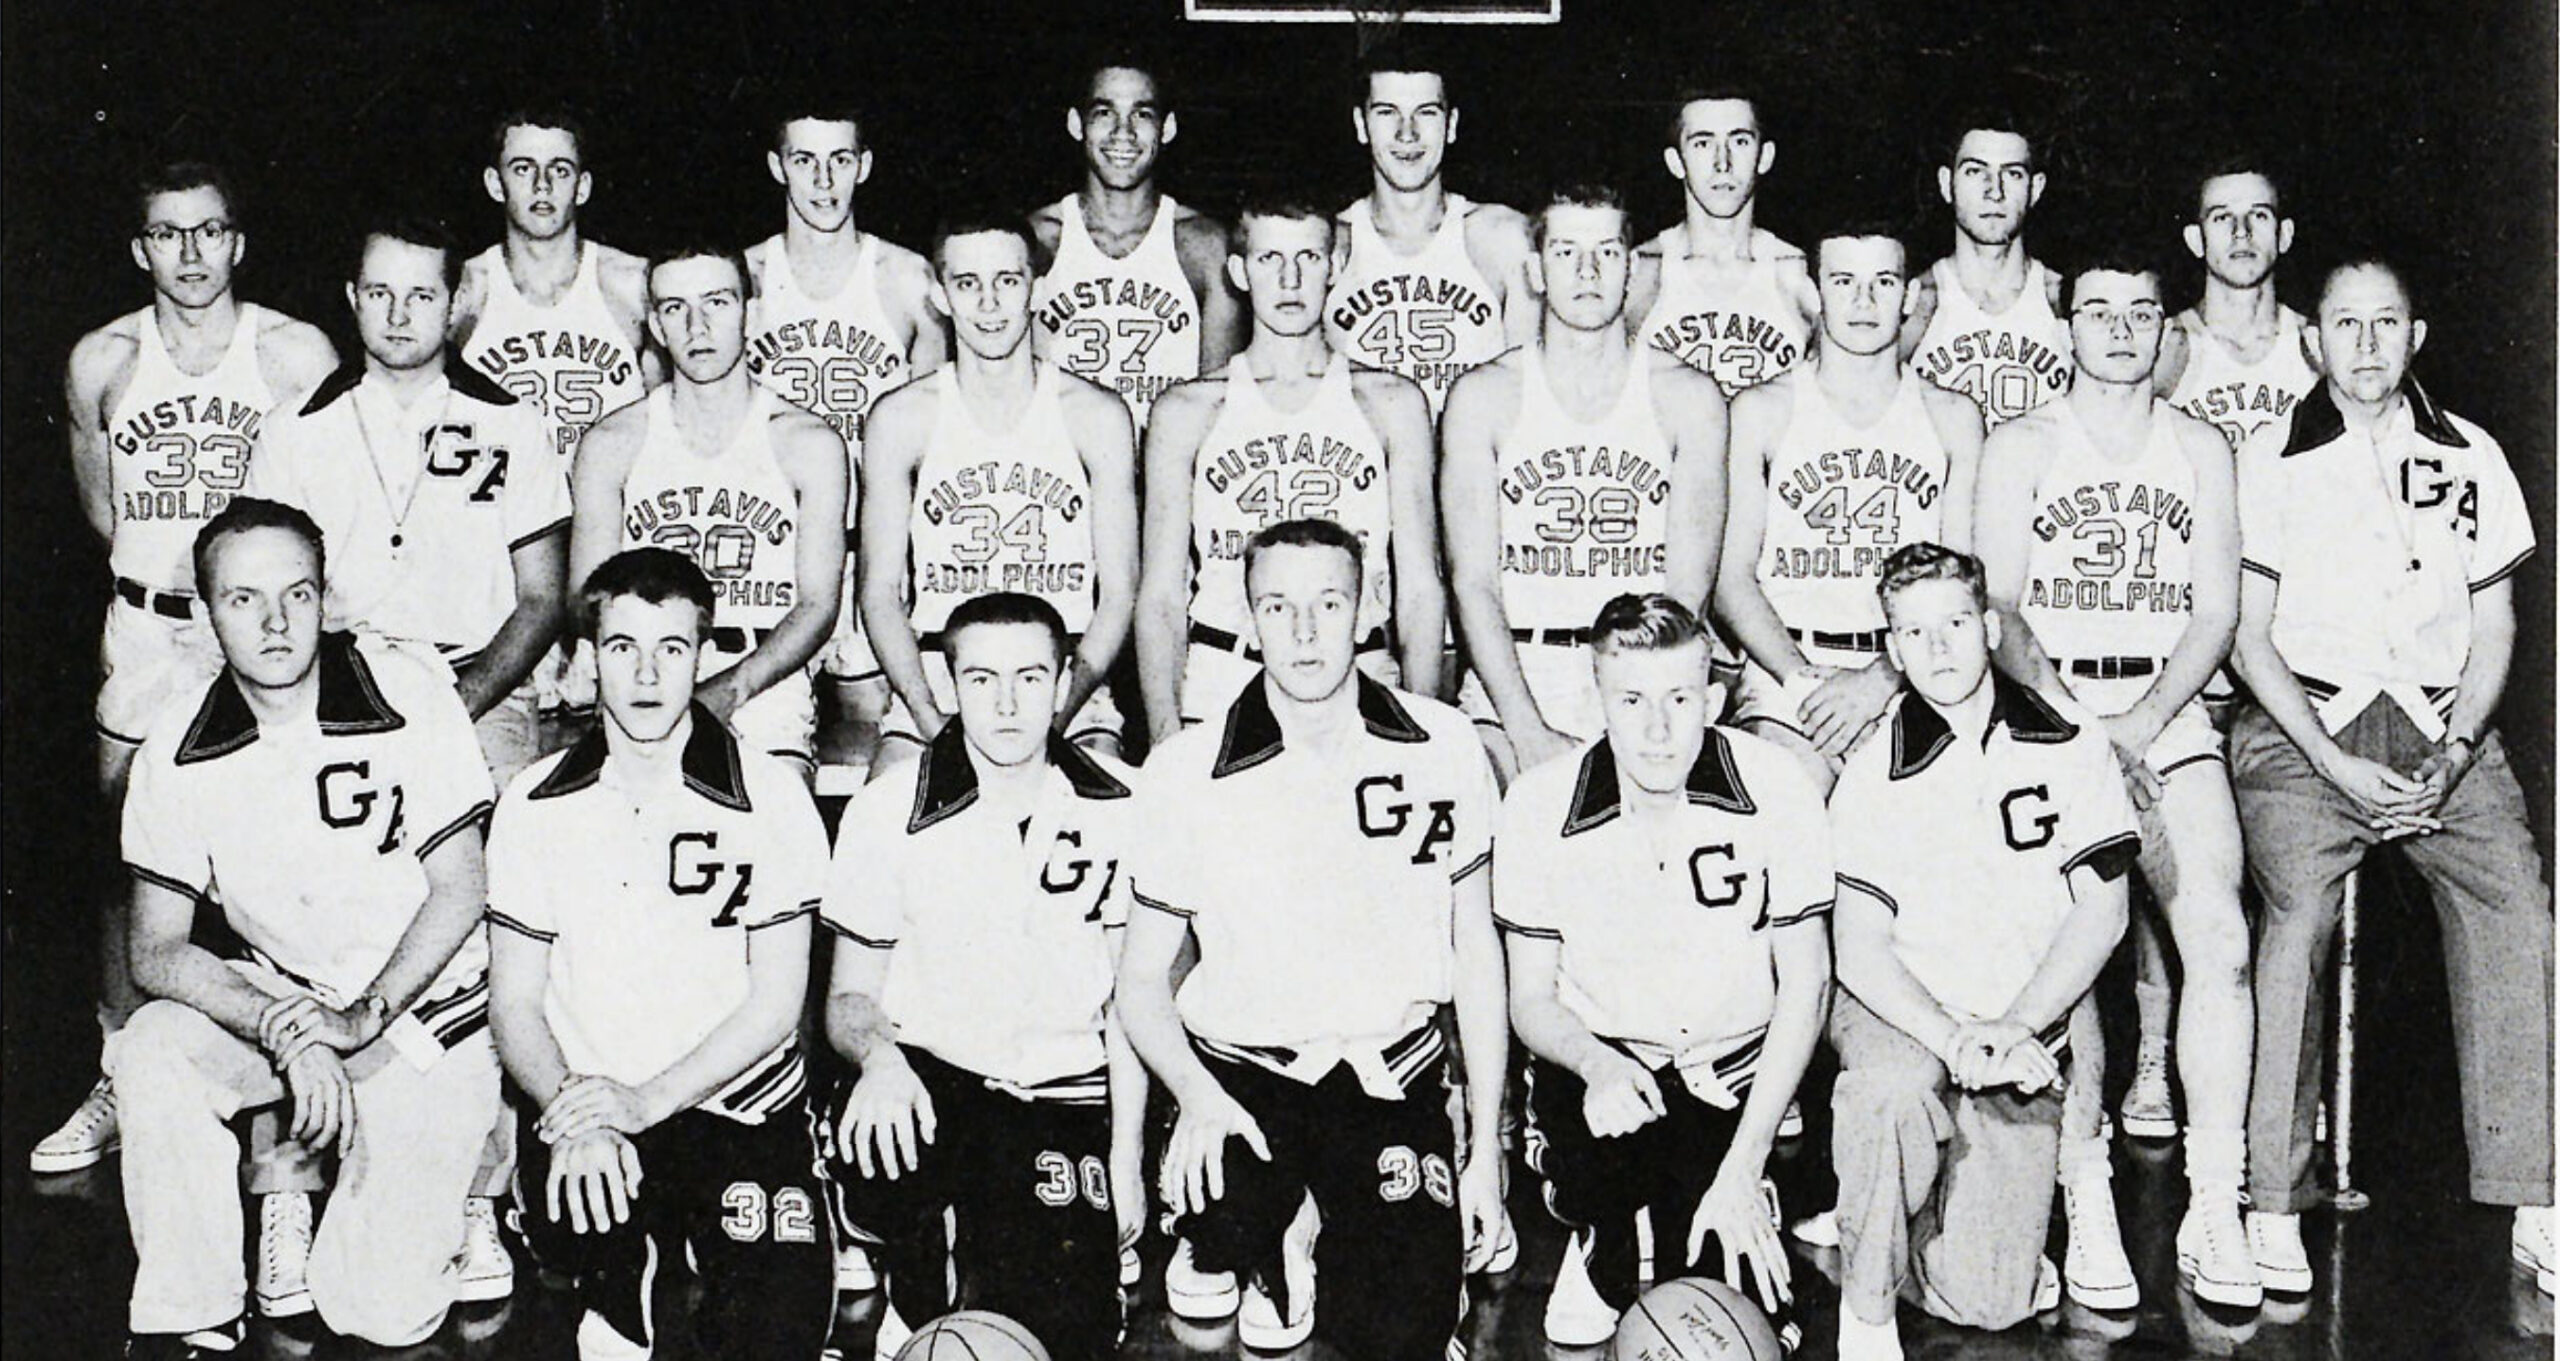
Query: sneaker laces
(95, 1112)
(283, 1217)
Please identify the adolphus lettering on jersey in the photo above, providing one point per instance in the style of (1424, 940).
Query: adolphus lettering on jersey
(1393, 289)
(1107, 291)
(1682, 336)
(598, 352)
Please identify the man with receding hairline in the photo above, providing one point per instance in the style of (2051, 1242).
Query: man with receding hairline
(2379, 538)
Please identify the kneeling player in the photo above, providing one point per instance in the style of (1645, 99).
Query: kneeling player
(330, 785)
(1662, 900)
(1981, 840)
(646, 994)
(1324, 841)
(974, 892)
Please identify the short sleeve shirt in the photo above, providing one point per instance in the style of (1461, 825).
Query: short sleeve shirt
(1971, 841)
(422, 506)
(1000, 930)
(1320, 883)
(2377, 539)
(1665, 932)
(650, 902)
(313, 835)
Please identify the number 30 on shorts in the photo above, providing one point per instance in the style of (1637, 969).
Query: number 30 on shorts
(1061, 1178)
(793, 1213)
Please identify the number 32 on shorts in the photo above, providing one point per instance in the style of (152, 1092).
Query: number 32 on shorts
(793, 1213)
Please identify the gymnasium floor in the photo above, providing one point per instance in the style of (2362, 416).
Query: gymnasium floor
(2422, 1275)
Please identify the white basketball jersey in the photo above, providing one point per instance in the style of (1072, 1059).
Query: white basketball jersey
(2008, 362)
(834, 357)
(1585, 504)
(572, 360)
(1842, 498)
(1001, 510)
(1131, 324)
(1260, 465)
(1430, 316)
(1739, 334)
(736, 514)
(2237, 397)
(2109, 568)
(178, 449)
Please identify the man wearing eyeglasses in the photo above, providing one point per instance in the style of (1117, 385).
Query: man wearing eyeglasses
(165, 402)
(2109, 527)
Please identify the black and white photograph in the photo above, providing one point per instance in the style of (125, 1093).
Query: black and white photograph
(1415, 680)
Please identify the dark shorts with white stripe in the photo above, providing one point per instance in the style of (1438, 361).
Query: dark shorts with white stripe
(1030, 1235)
(1636, 1193)
(1390, 1255)
(751, 1203)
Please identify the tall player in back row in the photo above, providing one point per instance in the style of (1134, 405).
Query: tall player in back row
(2110, 530)
(1129, 294)
(752, 488)
(1434, 284)
(1988, 317)
(1578, 468)
(556, 319)
(164, 403)
(841, 317)
(1000, 472)
(1834, 466)
(1717, 292)
(1290, 428)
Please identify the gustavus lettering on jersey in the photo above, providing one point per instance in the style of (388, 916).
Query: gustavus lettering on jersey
(1683, 338)
(2051, 370)
(1106, 291)
(2026, 818)
(596, 352)
(2111, 498)
(1882, 466)
(973, 482)
(200, 414)
(679, 504)
(1586, 462)
(1285, 449)
(1383, 819)
(868, 355)
(1393, 289)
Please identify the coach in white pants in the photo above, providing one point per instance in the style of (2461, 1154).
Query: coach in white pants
(330, 786)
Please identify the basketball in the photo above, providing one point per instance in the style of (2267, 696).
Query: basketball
(976, 1335)
(1694, 1319)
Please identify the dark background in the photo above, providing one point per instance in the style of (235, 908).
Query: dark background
(2423, 128)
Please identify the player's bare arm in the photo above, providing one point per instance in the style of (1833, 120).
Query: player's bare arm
(1691, 409)
(101, 367)
(2014, 459)
(893, 444)
(1760, 417)
(1499, 242)
(541, 572)
(2175, 351)
(907, 291)
(1483, 402)
(1202, 244)
(470, 298)
(1484, 1046)
(1960, 431)
(457, 889)
(596, 481)
(293, 356)
(166, 963)
(1862, 936)
(1795, 284)
(888, 1115)
(2081, 946)
(1046, 228)
(1194, 1170)
(777, 986)
(812, 458)
(1180, 421)
(1732, 1208)
(623, 278)
(592, 1178)
(1644, 276)
(1098, 426)
(1401, 415)
(2214, 615)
